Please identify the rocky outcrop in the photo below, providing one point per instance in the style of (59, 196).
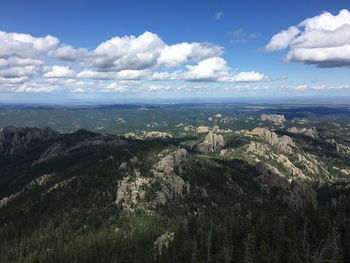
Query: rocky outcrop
(276, 118)
(132, 191)
(156, 135)
(311, 132)
(215, 129)
(61, 184)
(15, 140)
(310, 164)
(290, 167)
(149, 135)
(163, 242)
(165, 184)
(211, 143)
(257, 148)
(340, 148)
(283, 143)
(38, 182)
(203, 129)
(295, 194)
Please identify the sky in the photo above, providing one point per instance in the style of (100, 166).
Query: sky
(57, 51)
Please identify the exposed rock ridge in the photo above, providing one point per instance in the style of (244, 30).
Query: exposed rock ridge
(311, 132)
(276, 118)
(40, 181)
(162, 186)
(211, 143)
(14, 140)
(283, 143)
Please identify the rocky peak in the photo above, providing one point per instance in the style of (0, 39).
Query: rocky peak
(311, 132)
(14, 140)
(276, 118)
(211, 143)
(283, 143)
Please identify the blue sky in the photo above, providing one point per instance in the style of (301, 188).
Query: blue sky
(232, 40)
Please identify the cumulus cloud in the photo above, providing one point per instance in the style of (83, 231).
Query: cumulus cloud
(120, 86)
(35, 88)
(122, 63)
(213, 69)
(175, 55)
(69, 53)
(24, 45)
(147, 51)
(59, 72)
(323, 40)
(283, 39)
(249, 76)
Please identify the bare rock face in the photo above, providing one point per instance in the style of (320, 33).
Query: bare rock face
(163, 242)
(156, 135)
(149, 135)
(203, 129)
(257, 148)
(165, 184)
(211, 143)
(131, 191)
(215, 129)
(283, 143)
(340, 148)
(276, 118)
(311, 165)
(311, 132)
(290, 167)
(14, 140)
(293, 193)
(52, 152)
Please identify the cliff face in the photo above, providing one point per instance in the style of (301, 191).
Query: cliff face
(276, 118)
(211, 143)
(15, 140)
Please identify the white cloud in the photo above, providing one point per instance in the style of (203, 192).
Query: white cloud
(249, 76)
(175, 55)
(283, 39)
(323, 40)
(36, 88)
(59, 72)
(43, 64)
(127, 53)
(17, 72)
(211, 69)
(120, 86)
(22, 56)
(131, 74)
(24, 45)
(69, 53)
(320, 87)
(19, 80)
(91, 74)
(147, 51)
